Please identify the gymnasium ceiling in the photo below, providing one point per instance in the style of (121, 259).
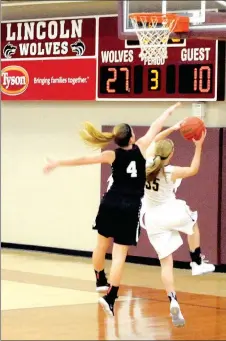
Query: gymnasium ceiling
(21, 9)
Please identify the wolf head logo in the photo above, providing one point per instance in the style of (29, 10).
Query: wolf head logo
(9, 50)
(78, 47)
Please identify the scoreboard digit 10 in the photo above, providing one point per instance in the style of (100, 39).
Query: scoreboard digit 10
(192, 71)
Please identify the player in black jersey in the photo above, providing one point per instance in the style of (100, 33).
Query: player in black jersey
(119, 210)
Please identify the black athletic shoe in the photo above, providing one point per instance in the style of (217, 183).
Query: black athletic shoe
(107, 304)
(102, 285)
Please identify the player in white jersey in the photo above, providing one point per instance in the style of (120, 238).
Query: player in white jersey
(166, 216)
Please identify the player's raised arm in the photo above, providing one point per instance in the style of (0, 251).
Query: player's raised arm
(155, 128)
(185, 172)
(166, 132)
(161, 136)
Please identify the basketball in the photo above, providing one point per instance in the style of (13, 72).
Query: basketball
(192, 128)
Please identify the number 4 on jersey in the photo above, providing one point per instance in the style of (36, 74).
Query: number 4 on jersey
(131, 169)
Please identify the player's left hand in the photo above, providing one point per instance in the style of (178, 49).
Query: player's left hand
(177, 125)
(173, 107)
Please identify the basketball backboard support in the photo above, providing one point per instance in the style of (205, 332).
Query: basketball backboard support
(207, 18)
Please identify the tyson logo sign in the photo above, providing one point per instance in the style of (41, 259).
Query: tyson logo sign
(14, 80)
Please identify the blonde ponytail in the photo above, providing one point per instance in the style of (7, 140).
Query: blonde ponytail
(163, 149)
(95, 138)
(153, 169)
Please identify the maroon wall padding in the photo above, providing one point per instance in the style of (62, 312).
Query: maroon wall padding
(200, 193)
(223, 199)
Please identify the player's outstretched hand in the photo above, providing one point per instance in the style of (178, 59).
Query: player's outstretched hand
(201, 140)
(174, 106)
(177, 126)
(50, 166)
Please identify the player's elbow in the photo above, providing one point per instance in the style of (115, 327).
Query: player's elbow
(194, 171)
(156, 126)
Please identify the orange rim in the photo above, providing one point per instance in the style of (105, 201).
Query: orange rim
(181, 22)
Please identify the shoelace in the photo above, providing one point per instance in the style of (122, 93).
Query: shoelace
(204, 260)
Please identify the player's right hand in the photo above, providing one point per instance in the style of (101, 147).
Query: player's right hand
(201, 140)
(50, 166)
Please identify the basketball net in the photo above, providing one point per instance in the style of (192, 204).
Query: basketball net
(153, 38)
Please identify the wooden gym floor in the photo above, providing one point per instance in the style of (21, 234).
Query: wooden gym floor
(52, 297)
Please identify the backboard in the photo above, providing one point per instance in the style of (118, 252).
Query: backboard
(207, 18)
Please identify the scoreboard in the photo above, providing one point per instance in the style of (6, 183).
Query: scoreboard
(190, 71)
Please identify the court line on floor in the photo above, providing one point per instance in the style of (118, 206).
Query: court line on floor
(73, 281)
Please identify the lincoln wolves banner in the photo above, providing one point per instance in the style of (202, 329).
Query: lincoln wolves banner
(48, 38)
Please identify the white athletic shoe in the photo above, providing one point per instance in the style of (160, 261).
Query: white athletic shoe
(203, 268)
(107, 305)
(177, 317)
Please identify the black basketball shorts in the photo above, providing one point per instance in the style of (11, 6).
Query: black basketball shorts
(119, 218)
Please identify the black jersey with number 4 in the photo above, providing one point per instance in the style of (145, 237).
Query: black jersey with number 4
(128, 171)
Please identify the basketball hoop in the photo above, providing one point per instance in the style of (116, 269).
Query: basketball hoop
(153, 31)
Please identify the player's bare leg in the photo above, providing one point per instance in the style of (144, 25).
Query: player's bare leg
(119, 254)
(168, 281)
(99, 262)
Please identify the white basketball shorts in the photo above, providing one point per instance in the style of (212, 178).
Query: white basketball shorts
(164, 224)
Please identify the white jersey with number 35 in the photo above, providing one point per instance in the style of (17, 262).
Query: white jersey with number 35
(162, 189)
